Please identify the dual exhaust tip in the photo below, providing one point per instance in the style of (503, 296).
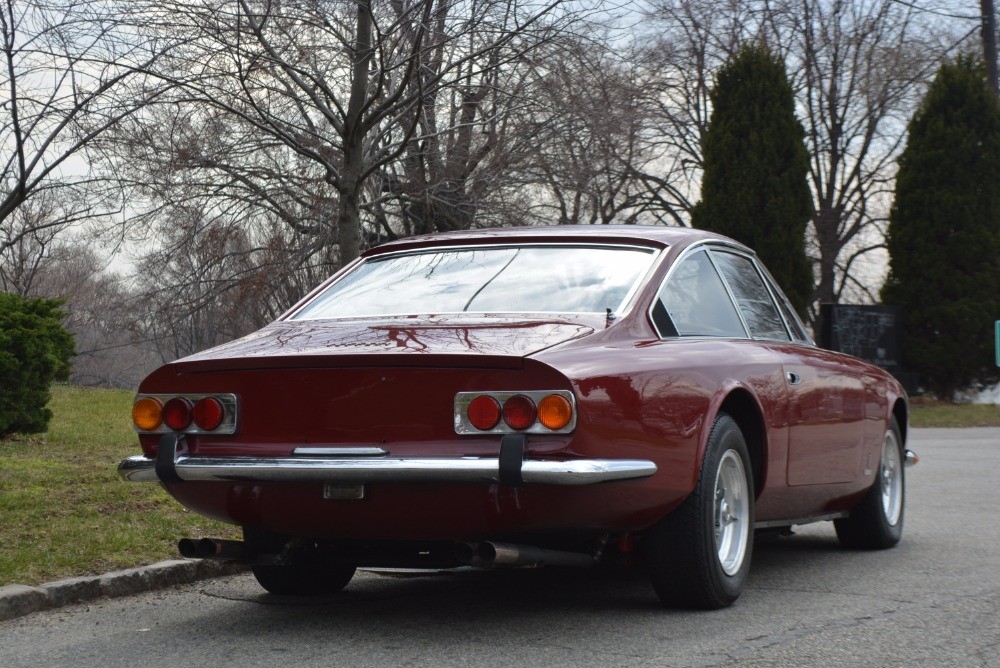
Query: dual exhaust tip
(489, 554)
(213, 548)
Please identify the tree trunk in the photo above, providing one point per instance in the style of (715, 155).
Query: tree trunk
(349, 188)
(349, 214)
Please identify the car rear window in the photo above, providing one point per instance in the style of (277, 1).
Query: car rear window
(508, 279)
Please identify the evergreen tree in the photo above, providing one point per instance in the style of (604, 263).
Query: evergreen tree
(35, 350)
(754, 188)
(944, 232)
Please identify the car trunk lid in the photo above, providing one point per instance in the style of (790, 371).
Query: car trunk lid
(481, 342)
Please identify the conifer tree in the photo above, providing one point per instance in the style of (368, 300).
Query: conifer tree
(754, 186)
(35, 350)
(944, 232)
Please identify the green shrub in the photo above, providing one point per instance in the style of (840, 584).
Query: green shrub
(35, 350)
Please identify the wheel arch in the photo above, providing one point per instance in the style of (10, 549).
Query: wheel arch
(741, 405)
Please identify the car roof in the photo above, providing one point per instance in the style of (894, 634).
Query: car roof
(645, 235)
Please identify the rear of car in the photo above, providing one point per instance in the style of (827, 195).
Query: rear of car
(400, 414)
(416, 450)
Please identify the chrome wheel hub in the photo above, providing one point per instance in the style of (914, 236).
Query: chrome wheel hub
(731, 512)
(891, 480)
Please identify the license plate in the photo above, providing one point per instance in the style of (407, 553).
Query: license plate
(342, 492)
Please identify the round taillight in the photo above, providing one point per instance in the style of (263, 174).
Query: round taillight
(208, 413)
(177, 413)
(555, 411)
(519, 412)
(147, 414)
(483, 412)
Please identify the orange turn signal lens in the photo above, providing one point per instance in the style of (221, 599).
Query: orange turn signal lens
(555, 412)
(147, 414)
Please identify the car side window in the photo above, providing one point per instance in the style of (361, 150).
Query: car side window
(753, 297)
(696, 301)
(791, 319)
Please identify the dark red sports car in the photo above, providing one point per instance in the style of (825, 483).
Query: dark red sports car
(528, 396)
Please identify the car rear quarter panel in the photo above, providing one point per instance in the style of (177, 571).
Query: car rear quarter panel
(658, 399)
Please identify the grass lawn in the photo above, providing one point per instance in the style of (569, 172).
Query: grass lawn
(65, 512)
(63, 509)
(926, 413)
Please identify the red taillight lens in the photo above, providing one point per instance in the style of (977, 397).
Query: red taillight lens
(555, 412)
(177, 413)
(484, 412)
(519, 412)
(208, 413)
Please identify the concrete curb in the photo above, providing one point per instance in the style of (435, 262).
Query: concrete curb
(19, 600)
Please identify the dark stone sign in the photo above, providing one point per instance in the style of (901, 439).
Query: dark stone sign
(869, 332)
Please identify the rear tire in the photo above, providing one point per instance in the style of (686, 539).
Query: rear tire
(698, 556)
(876, 523)
(306, 573)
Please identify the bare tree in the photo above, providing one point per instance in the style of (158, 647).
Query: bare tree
(271, 129)
(590, 115)
(32, 235)
(100, 313)
(858, 68)
(464, 142)
(349, 89)
(206, 288)
(187, 156)
(70, 70)
(861, 68)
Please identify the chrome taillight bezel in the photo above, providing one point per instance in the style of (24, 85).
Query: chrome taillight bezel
(230, 419)
(464, 427)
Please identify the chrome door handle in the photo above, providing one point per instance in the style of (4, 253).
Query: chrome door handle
(793, 378)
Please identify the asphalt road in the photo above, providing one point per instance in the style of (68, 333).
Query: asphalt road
(932, 601)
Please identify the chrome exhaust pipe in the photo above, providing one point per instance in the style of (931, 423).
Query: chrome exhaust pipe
(527, 556)
(188, 548)
(213, 548)
(466, 553)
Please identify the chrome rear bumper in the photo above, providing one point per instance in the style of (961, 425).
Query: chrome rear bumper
(386, 469)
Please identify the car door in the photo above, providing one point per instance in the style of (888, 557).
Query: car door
(826, 417)
(825, 398)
